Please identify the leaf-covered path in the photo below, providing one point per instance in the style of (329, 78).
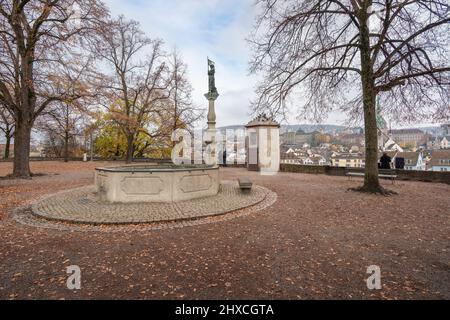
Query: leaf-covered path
(316, 241)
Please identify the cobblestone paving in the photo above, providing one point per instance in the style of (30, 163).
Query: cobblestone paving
(83, 206)
(25, 216)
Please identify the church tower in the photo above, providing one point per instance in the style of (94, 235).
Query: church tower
(383, 135)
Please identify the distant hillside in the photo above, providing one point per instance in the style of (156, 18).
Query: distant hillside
(307, 128)
(434, 131)
(330, 128)
(232, 127)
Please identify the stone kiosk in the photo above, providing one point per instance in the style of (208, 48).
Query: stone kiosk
(263, 145)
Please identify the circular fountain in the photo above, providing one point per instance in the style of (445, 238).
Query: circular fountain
(156, 183)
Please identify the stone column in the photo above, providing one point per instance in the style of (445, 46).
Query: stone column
(211, 113)
(211, 131)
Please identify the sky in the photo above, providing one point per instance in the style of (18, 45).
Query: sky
(208, 28)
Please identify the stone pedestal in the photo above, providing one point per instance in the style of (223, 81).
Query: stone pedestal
(211, 113)
(211, 131)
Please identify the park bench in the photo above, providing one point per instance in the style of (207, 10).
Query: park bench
(245, 184)
(382, 173)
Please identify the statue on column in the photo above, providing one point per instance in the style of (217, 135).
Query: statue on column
(212, 90)
(210, 136)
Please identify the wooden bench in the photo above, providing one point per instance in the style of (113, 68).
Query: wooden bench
(382, 173)
(245, 184)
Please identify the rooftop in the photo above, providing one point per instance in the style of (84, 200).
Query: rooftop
(440, 158)
(349, 156)
(407, 131)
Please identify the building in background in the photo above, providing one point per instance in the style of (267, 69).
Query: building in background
(352, 139)
(440, 161)
(292, 156)
(440, 140)
(410, 149)
(391, 145)
(445, 142)
(409, 137)
(2, 150)
(445, 128)
(297, 138)
(348, 160)
(413, 160)
(315, 160)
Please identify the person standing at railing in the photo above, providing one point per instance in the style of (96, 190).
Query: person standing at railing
(385, 161)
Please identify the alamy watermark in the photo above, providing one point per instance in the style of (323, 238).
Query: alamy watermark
(74, 280)
(374, 281)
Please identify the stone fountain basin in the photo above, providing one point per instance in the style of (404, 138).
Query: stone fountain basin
(156, 183)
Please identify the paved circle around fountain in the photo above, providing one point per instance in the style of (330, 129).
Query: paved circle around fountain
(83, 206)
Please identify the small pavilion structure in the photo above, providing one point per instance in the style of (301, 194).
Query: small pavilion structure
(263, 145)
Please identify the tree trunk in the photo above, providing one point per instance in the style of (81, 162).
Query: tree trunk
(371, 182)
(91, 146)
(117, 154)
(66, 146)
(22, 137)
(130, 149)
(7, 145)
(118, 146)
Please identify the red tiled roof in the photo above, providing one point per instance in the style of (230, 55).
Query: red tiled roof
(438, 155)
(412, 156)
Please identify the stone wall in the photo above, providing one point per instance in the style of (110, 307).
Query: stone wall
(426, 176)
(303, 169)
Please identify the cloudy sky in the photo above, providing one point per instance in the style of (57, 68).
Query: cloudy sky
(201, 28)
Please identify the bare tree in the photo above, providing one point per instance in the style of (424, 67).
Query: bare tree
(334, 54)
(137, 86)
(7, 127)
(63, 125)
(181, 112)
(41, 60)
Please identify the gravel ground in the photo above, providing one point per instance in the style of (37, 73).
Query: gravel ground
(315, 242)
